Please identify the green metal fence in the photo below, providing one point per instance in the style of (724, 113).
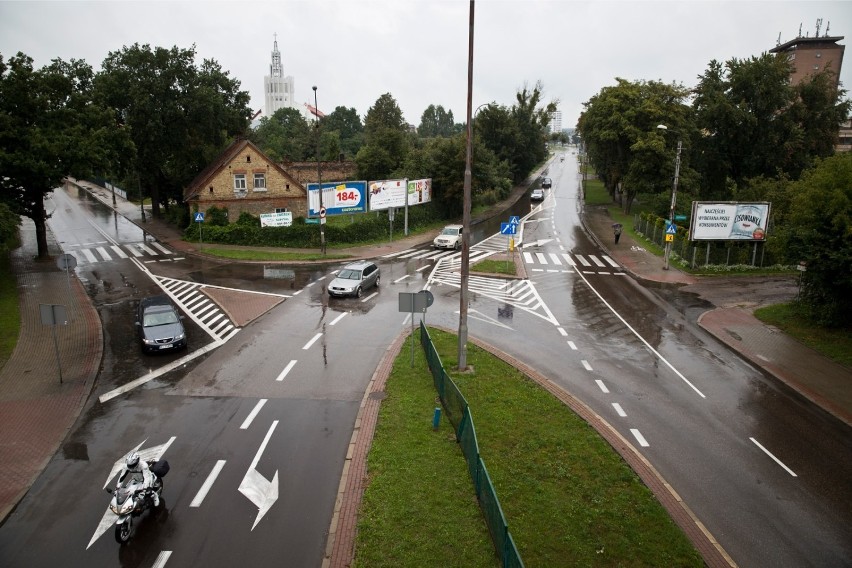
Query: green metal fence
(458, 413)
(705, 253)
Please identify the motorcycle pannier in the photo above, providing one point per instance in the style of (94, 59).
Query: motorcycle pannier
(160, 468)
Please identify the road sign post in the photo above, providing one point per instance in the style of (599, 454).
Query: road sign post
(66, 262)
(415, 302)
(199, 218)
(53, 315)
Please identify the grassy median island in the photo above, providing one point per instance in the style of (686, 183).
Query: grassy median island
(569, 498)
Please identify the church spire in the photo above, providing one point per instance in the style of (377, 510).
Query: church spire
(275, 69)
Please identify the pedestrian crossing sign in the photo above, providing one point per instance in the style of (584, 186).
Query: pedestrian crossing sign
(671, 229)
(199, 217)
(514, 220)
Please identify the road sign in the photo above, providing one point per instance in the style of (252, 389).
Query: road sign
(312, 221)
(508, 228)
(199, 217)
(322, 212)
(430, 298)
(680, 218)
(669, 238)
(671, 229)
(515, 220)
(66, 261)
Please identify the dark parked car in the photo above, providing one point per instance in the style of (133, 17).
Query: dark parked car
(546, 183)
(159, 325)
(354, 278)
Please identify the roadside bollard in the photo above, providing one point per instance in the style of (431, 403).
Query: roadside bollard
(436, 419)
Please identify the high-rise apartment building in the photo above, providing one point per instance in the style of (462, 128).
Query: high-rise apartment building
(556, 122)
(278, 89)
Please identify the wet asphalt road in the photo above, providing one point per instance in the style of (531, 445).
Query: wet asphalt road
(632, 354)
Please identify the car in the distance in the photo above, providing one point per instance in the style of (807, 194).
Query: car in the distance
(159, 325)
(546, 183)
(537, 195)
(450, 237)
(354, 278)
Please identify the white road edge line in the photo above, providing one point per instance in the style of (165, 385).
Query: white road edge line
(768, 453)
(619, 410)
(286, 370)
(586, 365)
(247, 422)
(602, 386)
(338, 318)
(208, 484)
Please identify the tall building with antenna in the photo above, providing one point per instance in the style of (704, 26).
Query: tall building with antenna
(278, 89)
(810, 55)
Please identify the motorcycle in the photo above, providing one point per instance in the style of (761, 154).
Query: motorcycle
(131, 499)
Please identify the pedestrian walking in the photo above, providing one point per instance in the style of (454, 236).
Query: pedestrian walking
(616, 227)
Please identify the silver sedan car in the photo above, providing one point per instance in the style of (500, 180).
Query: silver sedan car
(354, 278)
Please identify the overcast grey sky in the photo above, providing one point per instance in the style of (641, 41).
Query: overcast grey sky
(417, 50)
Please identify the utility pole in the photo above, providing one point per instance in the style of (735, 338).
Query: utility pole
(319, 175)
(674, 201)
(465, 257)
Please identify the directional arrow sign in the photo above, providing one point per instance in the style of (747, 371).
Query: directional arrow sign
(259, 491)
(152, 453)
(508, 229)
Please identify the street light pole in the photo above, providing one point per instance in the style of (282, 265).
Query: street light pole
(465, 256)
(319, 174)
(674, 197)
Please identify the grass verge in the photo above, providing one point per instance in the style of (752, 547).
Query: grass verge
(272, 256)
(495, 267)
(836, 344)
(569, 499)
(10, 313)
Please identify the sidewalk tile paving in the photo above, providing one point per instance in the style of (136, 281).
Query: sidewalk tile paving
(36, 412)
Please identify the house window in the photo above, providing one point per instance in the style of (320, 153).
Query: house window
(239, 182)
(281, 209)
(259, 182)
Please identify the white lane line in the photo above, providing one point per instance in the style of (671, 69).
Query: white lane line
(572, 346)
(586, 365)
(208, 483)
(400, 279)
(602, 386)
(338, 318)
(162, 558)
(768, 453)
(370, 297)
(311, 342)
(252, 414)
(286, 370)
(639, 437)
(642, 339)
(619, 410)
(562, 331)
(422, 268)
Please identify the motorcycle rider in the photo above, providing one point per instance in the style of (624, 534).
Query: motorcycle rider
(134, 465)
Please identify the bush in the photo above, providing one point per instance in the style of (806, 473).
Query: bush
(9, 223)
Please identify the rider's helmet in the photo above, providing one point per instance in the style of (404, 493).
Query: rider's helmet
(132, 460)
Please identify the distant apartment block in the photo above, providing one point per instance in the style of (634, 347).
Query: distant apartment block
(556, 122)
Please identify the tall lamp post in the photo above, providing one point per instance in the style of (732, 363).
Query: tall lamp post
(465, 256)
(674, 197)
(319, 174)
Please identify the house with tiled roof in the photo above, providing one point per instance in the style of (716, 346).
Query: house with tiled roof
(243, 179)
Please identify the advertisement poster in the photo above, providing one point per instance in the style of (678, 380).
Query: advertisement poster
(338, 197)
(385, 194)
(276, 219)
(419, 191)
(729, 221)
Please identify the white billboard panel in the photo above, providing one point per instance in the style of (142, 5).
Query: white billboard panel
(728, 221)
(419, 191)
(284, 219)
(385, 194)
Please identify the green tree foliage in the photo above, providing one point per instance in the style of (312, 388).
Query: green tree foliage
(818, 230)
(51, 126)
(350, 131)
(619, 127)
(180, 115)
(754, 123)
(285, 136)
(436, 121)
(387, 142)
(9, 223)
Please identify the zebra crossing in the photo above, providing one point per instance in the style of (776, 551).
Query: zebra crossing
(199, 306)
(564, 263)
(104, 251)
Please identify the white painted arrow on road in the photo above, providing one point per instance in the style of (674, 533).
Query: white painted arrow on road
(537, 243)
(259, 491)
(153, 453)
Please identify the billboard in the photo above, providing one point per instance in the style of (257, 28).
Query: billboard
(338, 197)
(386, 194)
(728, 221)
(419, 191)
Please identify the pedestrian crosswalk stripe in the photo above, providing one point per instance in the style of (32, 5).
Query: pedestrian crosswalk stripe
(134, 251)
(103, 253)
(541, 258)
(569, 260)
(582, 260)
(150, 251)
(119, 251)
(555, 258)
(162, 248)
(597, 261)
(611, 262)
(89, 256)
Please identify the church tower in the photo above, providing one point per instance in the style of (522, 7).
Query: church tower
(277, 88)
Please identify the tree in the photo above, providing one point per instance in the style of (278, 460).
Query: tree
(384, 114)
(347, 124)
(180, 115)
(387, 142)
(285, 136)
(818, 230)
(50, 128)
(436, 121)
